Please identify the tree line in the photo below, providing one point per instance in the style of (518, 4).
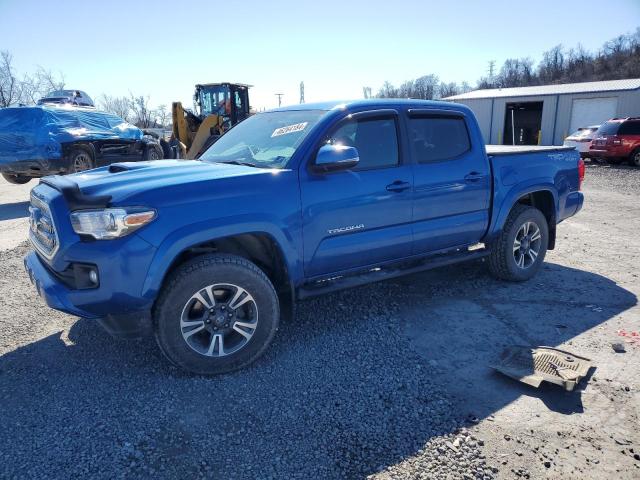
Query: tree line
(27, 89)
(618, 58)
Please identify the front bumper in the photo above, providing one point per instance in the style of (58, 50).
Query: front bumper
(58, 296)
(52, 291)
(122, 267)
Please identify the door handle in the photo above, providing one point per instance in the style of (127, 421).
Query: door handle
(474, 177)
(398, 186)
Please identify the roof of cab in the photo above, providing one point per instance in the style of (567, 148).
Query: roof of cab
(371, 102)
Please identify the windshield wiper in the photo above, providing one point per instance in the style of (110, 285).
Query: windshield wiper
(237, 162)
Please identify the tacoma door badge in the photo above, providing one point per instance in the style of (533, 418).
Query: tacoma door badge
(350, 228)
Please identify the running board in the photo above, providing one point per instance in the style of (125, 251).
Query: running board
(385, 273)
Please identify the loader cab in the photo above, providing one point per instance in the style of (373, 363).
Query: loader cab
(229, 100)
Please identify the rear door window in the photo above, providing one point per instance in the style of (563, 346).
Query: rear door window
(438, 138)
(631, 127)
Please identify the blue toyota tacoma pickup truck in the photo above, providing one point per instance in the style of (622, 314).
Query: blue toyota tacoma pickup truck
(206, 254)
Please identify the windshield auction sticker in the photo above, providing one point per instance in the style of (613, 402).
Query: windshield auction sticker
(298, 127)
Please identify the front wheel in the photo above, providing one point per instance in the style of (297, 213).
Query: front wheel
(518, 252)
(15, 178)
(634, 158)
(215, 314)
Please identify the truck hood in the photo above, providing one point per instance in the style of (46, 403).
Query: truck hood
(121, 181)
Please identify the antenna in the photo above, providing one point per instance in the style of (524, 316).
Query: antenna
(279, 95)
(301, 92)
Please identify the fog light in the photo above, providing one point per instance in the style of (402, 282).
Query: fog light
(85, 276)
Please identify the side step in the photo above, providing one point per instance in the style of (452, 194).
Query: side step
(333, 284)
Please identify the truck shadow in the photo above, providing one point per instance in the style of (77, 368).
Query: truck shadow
(361, 380)
(11, 211)
(462, 336)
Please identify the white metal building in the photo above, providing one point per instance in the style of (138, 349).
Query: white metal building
(546, 115)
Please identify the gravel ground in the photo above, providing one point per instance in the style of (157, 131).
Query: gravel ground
(389, 380)
(14, 205)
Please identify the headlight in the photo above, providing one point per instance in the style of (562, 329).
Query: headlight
(110, 223)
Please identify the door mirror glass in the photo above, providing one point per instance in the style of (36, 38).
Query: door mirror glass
(332, 158)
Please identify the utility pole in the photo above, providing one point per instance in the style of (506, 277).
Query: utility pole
(301, 92)
(492, 68)
(279, 95)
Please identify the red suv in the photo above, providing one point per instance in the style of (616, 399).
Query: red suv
(618, 140)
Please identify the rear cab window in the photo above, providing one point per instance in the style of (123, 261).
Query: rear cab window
(437, 137)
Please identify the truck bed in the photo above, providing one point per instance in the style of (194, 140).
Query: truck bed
(496, 150)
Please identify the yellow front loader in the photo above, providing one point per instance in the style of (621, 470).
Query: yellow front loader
(218, 107)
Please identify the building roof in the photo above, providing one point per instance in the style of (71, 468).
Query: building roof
(563, 88)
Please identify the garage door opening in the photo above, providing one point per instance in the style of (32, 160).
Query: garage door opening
(522, 123)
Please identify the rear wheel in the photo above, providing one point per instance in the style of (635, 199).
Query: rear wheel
(15, 178)
(518, 252)
(80, 160)
(153, 152)
(216, 314)
(634, 158)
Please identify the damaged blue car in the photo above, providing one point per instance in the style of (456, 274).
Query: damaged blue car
(58, 139)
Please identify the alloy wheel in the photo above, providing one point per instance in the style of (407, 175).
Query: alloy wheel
(219, 320)
(81, 162)
(526, 245)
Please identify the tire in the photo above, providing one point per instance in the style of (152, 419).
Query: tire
(153, 152)
(15, 178)
(503, 253)
(166, 149)
(80, 160)
(217, 346)
(634, 158)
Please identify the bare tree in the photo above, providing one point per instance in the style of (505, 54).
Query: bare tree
(40, 84)
(448, 89)
(551, 67)
(162, 115)
(515, 72)
(465, 87)
(10, 87)
(120, 106)
(387, 91)
(142, 113)
(406, 89)
(426, 87)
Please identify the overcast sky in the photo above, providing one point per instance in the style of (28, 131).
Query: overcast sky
(335, 47)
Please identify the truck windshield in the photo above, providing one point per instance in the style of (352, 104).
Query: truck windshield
(265, 140)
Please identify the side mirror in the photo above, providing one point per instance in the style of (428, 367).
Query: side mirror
(333, 158)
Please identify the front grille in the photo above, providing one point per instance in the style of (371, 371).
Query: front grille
(42, 231)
